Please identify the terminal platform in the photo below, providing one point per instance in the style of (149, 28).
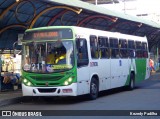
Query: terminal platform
(15, 96)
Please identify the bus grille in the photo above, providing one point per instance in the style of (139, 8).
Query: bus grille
(44, 84)
(46, 78)
(48, 90)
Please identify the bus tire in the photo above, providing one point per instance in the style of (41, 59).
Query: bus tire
(132, 82)
(94, 88)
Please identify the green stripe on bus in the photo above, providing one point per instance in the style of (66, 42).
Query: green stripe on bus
(141, 69)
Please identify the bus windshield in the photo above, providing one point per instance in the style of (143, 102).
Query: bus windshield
(48, 57)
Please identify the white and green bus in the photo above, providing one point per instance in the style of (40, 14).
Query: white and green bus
(72, 61)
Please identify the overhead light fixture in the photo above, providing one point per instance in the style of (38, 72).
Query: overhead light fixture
(80, 10)
(115, 19)
(17, 0)
(140, 25)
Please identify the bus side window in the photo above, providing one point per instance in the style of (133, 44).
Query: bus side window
(114, 47)
(82, 52)
(94, 47)
(138, 49)
(123, 48)
(103, 47)
(144, 50)
(131, 49)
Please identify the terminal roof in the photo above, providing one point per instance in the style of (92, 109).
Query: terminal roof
(18, 15)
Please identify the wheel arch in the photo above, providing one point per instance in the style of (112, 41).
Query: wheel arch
(94, 87)
(134, 74)
(96, 77)
(132, 81)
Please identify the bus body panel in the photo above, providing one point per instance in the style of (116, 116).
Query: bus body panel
(83, 80)
(142, 69)
(104, 74)
(119, 72)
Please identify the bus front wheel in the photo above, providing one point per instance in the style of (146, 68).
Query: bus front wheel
(93, 89)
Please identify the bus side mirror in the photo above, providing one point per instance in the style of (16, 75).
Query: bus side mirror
(77, 43)
(14, 48)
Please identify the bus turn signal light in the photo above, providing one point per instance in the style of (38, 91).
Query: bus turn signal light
(67, 90)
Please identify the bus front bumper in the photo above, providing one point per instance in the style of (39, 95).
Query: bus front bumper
(70, 90)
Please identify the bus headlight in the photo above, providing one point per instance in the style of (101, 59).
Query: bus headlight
(68, 81)
(26, 82)
(29, 83)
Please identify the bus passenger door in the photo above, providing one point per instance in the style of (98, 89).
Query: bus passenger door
(82, 67)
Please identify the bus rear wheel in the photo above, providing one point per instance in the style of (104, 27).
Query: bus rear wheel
(93, 89)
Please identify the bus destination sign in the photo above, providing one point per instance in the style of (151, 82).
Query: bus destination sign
(44, 35)
(48, 34)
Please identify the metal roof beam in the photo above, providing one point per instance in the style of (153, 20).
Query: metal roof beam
(78, 11)
(12, 26)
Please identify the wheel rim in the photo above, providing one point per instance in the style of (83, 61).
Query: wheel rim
(94, 89)
(131, 83)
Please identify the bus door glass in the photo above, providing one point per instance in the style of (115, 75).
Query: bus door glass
(82, 52)
(131, 49)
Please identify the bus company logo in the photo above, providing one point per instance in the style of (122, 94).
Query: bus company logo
(6, 113)
(93, 64)
(46, 83)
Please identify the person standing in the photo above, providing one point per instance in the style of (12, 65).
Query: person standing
(151, 64)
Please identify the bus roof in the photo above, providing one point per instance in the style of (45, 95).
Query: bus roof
(88, 31)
